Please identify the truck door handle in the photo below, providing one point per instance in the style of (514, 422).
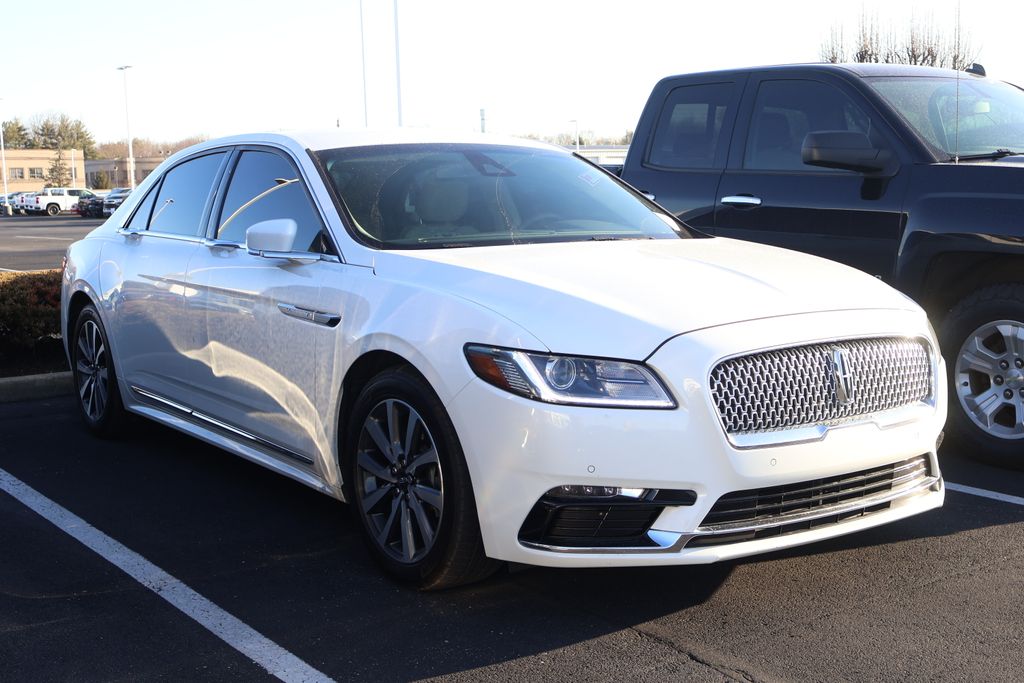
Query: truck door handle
(741, 200)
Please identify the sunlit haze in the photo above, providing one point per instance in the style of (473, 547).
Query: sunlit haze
(213, 68)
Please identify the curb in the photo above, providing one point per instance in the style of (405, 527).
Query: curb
(35, 386)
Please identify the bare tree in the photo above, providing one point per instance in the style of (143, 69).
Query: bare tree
(144, 147)
(920, 42)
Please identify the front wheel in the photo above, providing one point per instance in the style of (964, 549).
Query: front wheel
(410, 485)
(92, 366)
(983, 339)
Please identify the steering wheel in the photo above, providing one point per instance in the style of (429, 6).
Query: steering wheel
(541, 218)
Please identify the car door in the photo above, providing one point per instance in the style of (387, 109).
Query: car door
(691, 122)
(769, 195)
(145, 268)
(254, 318)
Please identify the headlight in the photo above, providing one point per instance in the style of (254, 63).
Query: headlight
(569, 380)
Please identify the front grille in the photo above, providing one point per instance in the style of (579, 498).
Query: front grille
(758, 513)
(804, 385)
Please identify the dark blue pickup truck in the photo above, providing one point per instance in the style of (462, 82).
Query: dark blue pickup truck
(912, 174)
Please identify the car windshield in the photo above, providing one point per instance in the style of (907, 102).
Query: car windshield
(991, 114)
(434, 196)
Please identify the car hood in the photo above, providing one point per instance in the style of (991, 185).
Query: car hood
(624, 298)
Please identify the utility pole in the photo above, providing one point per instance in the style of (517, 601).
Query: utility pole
(398, 68)
(483, 122)
(3, 160)
(362, 46)
(128, 128)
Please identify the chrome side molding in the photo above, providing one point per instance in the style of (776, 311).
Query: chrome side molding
(223, 426)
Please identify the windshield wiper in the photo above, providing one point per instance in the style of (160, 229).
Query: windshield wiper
(617, 238)
(997, 154)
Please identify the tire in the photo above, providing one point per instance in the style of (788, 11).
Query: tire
(415, 504)
(52, 210)
(983, 342)
(92, 367)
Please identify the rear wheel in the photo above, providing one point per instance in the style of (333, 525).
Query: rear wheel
(99, 401)
(52, 210)
(410, 485)
(983, 338)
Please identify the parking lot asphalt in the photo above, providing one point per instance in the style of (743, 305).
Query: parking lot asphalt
(935, 597)
(39, 242)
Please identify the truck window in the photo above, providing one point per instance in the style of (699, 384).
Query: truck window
(785, 111)
(689, 129)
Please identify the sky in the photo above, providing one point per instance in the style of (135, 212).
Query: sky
(206, 67)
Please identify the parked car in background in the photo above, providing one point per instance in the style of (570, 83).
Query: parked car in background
(114, 199)
(22, 202)
(7, 202)
(54, 200)
(496, 351)
(92, 206)
(912, 174)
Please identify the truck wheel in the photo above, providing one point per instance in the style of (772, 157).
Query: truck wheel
(52, 210)
(983, 341)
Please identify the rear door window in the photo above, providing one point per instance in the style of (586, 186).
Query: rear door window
(181, 203)
(693, 127)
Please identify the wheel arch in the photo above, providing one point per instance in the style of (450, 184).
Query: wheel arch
(952, 276)
(363, 369)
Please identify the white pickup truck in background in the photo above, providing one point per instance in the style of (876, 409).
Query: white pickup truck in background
(54, 200)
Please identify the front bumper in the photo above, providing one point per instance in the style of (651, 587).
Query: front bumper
(517, 450)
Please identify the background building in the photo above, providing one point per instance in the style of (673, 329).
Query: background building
(115, 171)
(29, 169)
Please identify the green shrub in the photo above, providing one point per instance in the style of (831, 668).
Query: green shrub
(29, 309)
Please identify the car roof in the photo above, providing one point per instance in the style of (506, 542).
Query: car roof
(856, 69)
(333, 138)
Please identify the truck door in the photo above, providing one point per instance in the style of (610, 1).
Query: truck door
(686, 127)
(767, 194)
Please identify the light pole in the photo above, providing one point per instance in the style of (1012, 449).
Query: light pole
(362, 45)
(3, 161)
(398, 68)
(577, 133)
(128, 128)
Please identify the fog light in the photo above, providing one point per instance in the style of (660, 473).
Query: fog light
(593, 492)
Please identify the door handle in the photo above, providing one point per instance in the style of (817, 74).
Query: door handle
(741, 200)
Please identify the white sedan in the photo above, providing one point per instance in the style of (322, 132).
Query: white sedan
(495, 351)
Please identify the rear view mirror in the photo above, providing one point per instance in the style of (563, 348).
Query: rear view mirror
(277, 235)
(847, 150)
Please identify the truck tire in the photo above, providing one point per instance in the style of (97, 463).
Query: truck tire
(52, 209)
(983, 342)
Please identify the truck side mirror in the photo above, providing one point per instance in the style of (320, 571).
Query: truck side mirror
(843, 149)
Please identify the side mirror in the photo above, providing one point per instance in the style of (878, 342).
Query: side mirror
(273, 236)
(847, 150)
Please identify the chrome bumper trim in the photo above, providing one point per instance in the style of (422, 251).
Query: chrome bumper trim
(674, 541)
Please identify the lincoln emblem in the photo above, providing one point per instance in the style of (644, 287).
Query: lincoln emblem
(845, 393)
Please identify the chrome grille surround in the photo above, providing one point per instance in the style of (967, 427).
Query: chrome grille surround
(797, 388)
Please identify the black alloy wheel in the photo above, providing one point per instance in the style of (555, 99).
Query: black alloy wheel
(410, 487)
(92, 367)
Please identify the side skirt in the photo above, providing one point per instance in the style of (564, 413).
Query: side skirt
(227, 437)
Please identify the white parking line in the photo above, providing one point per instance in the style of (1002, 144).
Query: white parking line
(261, 650)
(44, 237)
(984, 493)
